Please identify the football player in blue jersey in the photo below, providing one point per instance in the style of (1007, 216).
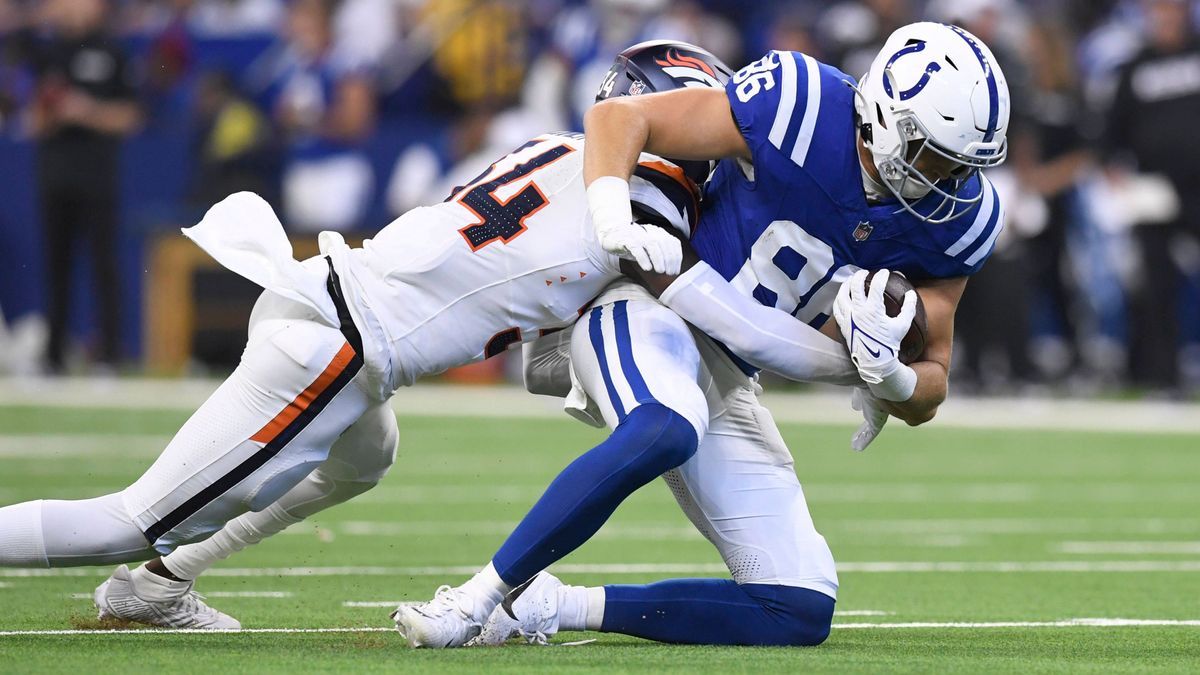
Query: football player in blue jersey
(821, 179)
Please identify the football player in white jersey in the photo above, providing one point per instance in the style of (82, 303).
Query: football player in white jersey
(816, 163)
(303, 423)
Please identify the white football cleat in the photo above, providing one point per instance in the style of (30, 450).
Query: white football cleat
(117, 598)
(529, 611)
(448, 620)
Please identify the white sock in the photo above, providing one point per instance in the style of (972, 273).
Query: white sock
(488, 589)
(154, 588)
(580, 608)
(316, 492)
(595, 613)
(22, 543)
(192, 560)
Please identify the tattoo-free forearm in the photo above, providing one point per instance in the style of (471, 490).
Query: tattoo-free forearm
(932, 387)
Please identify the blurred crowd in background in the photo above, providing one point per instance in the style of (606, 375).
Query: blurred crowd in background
(122, 119)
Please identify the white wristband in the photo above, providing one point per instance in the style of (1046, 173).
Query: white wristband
(897, 386)
(608, 202)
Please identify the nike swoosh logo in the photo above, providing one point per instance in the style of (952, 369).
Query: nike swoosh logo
(865, 338)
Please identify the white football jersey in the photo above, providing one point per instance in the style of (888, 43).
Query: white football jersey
(505, 259)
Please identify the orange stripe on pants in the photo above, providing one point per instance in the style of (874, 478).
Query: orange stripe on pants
(306, 397)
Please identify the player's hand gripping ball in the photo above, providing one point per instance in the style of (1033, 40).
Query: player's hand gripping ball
(913, 344)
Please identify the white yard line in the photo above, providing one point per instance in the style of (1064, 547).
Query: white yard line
(1129, 547)
(215, 594)
(457, 529)
(1017, 526)
(249, 594)
(82, 444)
(374, 603)
(862, 612)
(1076, 566)
(195, 631)
(1066, 623)
(825, 406)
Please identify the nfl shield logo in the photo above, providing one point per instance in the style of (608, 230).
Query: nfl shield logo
(863, 231)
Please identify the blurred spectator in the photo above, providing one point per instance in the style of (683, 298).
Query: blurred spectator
(853, 31)
(563, 81)
(16, 77)
(84, 106)
(365, 30)
(235, 150)
(168, 61)
(427, 172)
(324, 103)
(235, 17)
(481, 53)
(792, 31)
(1049, 155)
(1157, 101)
(687, 21)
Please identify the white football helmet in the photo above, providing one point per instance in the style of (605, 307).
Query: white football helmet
(936, 88)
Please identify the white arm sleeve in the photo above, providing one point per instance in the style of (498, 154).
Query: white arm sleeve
(766, 337)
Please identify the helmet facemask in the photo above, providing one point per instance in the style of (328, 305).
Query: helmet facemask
(898, 173)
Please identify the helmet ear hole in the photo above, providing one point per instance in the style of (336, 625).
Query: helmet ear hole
(879, 116)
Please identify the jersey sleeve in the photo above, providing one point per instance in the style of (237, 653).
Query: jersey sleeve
(776, 102)
(966, 253)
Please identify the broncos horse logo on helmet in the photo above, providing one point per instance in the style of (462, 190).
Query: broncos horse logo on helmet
(664, 65)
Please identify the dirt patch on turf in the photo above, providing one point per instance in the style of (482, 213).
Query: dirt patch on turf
(374, 641)
(82, 622)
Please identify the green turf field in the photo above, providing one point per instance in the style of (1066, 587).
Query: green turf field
(935, 530)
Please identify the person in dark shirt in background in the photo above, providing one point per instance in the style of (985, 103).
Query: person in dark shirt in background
(83, 107)
(1050, 155)
(1156, 105)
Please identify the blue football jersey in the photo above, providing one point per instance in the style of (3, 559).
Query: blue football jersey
(792, 227)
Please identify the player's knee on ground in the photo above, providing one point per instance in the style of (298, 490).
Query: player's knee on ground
(664, 437)
(61, 533)
(801, 617)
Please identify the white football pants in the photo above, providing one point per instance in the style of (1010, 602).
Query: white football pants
(740, 489)
(292, 419)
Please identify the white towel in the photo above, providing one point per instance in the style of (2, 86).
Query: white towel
(243, 234)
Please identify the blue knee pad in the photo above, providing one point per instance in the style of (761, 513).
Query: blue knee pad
(802, 616)
(656, 439)
(652, 440)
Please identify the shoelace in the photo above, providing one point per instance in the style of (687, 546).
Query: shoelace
(536, 637)
(193, 603)
(445, 599)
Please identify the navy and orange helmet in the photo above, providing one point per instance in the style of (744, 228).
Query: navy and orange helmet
(665, 65)
(662, 65)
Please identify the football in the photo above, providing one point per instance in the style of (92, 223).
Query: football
(913, 345)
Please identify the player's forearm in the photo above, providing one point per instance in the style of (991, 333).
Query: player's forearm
(930, 392)
(616, 135)
(764, 336)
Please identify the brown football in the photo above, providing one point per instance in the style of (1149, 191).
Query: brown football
(913, 345)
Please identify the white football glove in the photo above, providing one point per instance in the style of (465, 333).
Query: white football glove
(873, 337)
(651, 247)
(874, 418)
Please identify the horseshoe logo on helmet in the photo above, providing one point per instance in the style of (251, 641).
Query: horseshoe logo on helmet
(912, 91)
